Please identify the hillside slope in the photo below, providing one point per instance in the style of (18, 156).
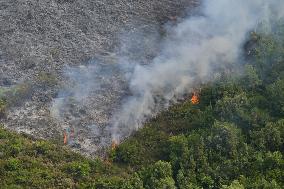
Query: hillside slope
(41, 40)
(234, 138)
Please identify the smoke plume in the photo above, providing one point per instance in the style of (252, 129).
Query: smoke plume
(196, 49)
(193, 52)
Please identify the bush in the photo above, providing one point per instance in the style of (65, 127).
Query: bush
(13, 164)
(42, 147)
(78, 169)
(46, 80)
(3, 106)
(158, 176)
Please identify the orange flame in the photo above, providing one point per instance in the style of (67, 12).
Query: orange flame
(113, 145)
(195, 99)
(65, 138)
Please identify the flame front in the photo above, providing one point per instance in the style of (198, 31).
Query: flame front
(113, 145)
(65, 138)
(194, 99)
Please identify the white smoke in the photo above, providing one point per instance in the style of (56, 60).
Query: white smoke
(195, 50)
(82, 80)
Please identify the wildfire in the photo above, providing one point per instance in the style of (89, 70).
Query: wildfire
(68, 136)
(113, 145)
(65, 137)
(195, 98)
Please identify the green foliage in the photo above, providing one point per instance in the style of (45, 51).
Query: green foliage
(3, 106)
(224, 139)
(17, 94)
(158, 176)
(233, 108)
(234, 185)
(25, 163)
(129, 152)
(233, 139)
(14, 96)
(134, 182)
(251, 78)
(42, 147)
(269, 137)
(13, 164)
(46, 80)
(135, 149)
(276, 97)
(78, 169)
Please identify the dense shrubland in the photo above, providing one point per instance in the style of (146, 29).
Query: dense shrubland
(234, 138)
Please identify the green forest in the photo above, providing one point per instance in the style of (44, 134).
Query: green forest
(232, 139)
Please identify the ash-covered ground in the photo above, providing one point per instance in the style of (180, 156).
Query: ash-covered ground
(60, 62)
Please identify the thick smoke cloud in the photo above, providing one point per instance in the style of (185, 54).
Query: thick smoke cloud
(193, 52)
(196, 49)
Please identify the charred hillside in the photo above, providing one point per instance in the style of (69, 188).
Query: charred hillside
(157, 101)
(39, 39)
(232, 137)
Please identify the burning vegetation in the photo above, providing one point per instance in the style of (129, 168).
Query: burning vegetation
(114, 145)
(192, 145)
(68, 136)
(195, 98)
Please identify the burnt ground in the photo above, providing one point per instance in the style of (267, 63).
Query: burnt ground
(45, 46)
